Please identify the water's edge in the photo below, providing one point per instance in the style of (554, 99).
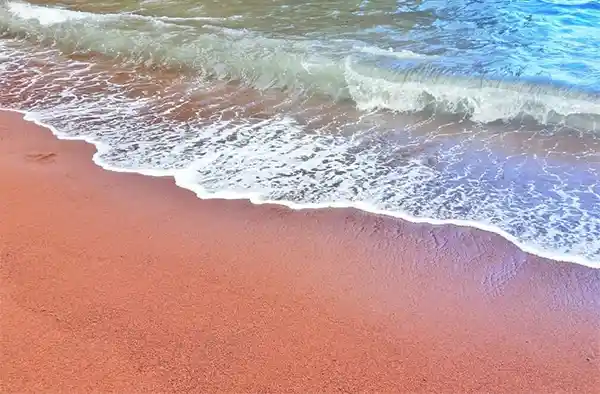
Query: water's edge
(202, 194)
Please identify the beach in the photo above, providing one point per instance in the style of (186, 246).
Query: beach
(115, 282)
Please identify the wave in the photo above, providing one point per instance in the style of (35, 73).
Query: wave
(476, 99)
(342, 70)
(47, 16)
(186, 178)
(574, 3)
(232, 142)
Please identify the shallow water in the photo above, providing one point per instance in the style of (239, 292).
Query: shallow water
(480, 113)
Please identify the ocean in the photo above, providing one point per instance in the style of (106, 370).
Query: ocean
(478, 113)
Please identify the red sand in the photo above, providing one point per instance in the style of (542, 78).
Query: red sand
(118, 282)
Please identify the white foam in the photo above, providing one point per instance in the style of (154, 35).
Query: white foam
(482, 102)
(45, 15)
(569, 2)
(49, 16)
(403, 54)
(185, 178)
(279, 161)
(301, 65)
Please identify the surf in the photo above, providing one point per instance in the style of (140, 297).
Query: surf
(345, 70)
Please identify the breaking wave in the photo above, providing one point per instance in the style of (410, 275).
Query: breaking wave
(341, 70)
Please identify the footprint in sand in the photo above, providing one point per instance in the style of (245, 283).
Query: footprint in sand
(41, 157)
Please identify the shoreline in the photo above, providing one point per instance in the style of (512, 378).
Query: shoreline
(122, 282)
(201, 194)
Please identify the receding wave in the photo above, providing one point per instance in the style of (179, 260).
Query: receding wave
(341, 70)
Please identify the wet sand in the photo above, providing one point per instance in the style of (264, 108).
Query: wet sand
(119, 282)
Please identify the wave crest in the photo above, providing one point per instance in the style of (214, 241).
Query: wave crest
(342, 70)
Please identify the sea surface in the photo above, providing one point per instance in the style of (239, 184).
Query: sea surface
(481, 113)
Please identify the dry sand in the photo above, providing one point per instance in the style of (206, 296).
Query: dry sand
(119, 282)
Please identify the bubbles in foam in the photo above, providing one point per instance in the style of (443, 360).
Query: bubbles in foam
(419, 167)
(479, 100)
(340, 69)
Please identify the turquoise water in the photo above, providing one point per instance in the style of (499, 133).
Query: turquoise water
(473, 112)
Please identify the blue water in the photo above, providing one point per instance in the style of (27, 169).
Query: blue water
(536, 41)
